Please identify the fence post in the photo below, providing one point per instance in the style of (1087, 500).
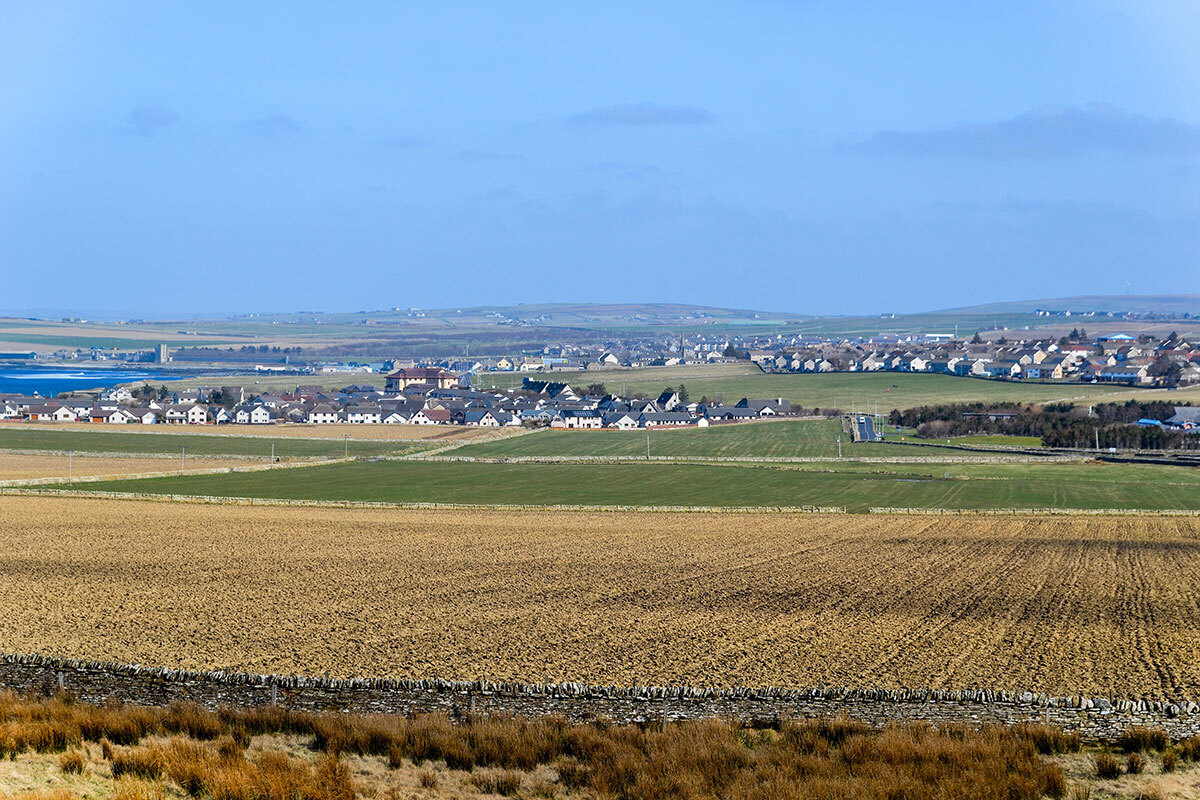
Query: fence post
(274, 693)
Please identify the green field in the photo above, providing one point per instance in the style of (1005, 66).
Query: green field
(855, 486)
(771, 439)
(196, 444)
(845, 390)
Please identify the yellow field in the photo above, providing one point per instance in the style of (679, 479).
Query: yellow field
(1064, 605)
(456, 433)
(35, 465)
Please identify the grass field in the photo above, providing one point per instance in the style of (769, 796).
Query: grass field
(15, 438)
(844, 390)
(1063, 605)
(856, 487)
(771, 439)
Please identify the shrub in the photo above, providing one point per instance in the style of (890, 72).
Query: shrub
(1169, 760)
(1136, 763)
(72, 762)
(1141, 740)
(1107, 766)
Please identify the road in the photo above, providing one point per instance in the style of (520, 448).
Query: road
(865, 428)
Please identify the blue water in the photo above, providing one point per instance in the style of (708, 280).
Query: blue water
(50, 380)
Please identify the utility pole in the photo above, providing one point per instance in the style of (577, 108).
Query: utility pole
(346, 445)
(839, 448)
(182, 457)
(69, 454)
(647, 445)
(1097, 438)
(272, 452)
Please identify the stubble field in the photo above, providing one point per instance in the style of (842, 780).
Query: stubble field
(1063, 605)
(16, 466)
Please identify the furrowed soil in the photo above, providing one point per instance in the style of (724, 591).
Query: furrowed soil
(1066, 605)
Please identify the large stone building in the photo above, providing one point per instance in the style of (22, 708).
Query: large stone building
(433, 376)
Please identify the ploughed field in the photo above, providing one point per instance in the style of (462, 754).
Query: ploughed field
(1065, 605)
(853, 486)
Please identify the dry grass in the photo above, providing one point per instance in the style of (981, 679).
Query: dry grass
(17, 466)
(315, 757)
(1064, 605)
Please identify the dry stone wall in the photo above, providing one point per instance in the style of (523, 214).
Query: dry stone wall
(97, 682)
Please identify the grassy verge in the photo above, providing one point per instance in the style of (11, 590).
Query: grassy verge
(854, 486)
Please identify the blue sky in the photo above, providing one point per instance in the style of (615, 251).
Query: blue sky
(808, 156)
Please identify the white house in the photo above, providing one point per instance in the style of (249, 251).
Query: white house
(117, 394)
(364, 415)
(322, 415)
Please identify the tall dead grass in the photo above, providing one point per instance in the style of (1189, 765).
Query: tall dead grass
(205, 754)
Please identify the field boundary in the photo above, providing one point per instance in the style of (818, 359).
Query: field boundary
(277, 501)
(1015, 458)
(1026, 512)
(100, 682)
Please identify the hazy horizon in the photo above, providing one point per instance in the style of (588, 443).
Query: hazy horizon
(819, 158)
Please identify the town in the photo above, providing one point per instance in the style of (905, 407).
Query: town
(410, 396)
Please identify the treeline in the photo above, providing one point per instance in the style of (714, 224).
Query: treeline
(1056, 424)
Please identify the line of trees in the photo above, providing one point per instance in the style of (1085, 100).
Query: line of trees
(1056, 424)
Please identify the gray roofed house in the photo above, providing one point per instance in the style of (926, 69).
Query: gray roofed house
(1185, 417)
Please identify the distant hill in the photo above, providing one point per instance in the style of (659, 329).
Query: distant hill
(1138, 303)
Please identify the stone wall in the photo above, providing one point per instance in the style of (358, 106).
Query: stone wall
(96, 682)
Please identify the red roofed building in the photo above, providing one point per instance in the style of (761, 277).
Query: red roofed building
(433, 376)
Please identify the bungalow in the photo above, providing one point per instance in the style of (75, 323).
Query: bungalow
(219, 415)
(51, 412)
(146, 416)
(111, 416)
(394, 418)
(622, 421)
(659, 419)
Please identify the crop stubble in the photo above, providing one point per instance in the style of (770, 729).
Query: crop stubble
(1065, 605)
